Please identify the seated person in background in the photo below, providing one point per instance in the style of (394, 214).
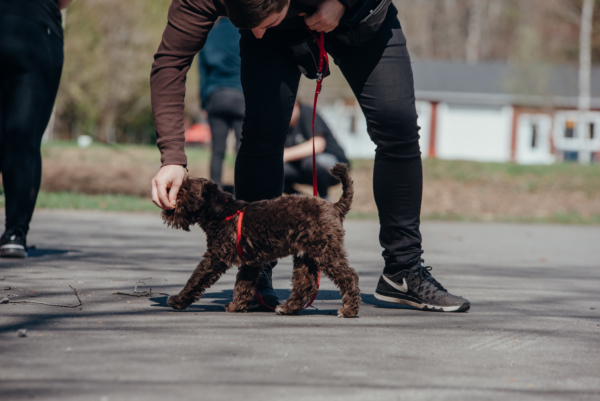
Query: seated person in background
(297, 155)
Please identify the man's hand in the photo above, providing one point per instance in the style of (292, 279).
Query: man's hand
(170, 176)
(299, 152)
(327, 17)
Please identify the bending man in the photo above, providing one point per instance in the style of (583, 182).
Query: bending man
(366, 41)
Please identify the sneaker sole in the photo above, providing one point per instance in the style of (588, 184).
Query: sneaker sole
(426, 307)
(13, 251)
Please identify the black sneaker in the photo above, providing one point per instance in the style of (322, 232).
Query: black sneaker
(265, 289)
(13, 244)
(416, 287)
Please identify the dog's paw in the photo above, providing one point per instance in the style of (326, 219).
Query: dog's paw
(286, 310)
(233, 308)
(174, 301)
(345, 313)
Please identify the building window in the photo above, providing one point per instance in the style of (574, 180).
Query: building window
(571, 156)
(592, 130)
(534, 136)
(570, 129)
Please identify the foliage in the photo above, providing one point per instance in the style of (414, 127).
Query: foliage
(109, 48)
(69, 200)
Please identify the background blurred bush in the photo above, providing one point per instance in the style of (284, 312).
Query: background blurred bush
(109, 48)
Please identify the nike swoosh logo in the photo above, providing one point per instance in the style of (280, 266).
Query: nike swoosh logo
(401, 288)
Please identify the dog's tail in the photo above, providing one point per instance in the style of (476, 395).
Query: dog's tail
(341, 172)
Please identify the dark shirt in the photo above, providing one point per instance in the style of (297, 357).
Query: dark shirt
(189, 22)
(44, 12)
(220, 60)
(302, 132)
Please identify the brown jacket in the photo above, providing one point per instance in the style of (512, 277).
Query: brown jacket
(189, 22)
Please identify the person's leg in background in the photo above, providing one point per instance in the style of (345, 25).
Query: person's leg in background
(270, 81)
(238, 110)
(29, 77)
(219, 127)
(380, 75)
(225, 111)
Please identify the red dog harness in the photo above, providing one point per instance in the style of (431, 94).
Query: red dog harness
(323, 68)
(239, 228)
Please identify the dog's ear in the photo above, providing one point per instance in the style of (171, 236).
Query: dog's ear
(214, 198)
(176, 218)
(189, 201)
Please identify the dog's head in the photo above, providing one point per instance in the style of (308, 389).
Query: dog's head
(198, 200)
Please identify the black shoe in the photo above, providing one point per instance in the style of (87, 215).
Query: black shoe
(265, 289)
(13, 244)
(416, 287)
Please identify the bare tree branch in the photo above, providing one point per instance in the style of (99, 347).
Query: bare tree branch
(46, 303)
(139, 294)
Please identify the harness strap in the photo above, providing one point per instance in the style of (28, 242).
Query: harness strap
(239, 228)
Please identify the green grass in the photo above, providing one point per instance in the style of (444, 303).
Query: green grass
(115, 203)
(558, 218)
(123, 203)
(564, 176)
(539, 178)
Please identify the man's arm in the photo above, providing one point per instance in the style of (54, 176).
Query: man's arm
(189, 22)
(303, 150)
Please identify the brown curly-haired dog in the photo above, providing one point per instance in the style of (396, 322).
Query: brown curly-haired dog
(307, 227)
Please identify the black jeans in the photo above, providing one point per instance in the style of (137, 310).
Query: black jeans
(30, 70)
(225, 111)
(380, 76)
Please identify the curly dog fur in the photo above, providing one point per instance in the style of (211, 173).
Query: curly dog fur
(308, 228)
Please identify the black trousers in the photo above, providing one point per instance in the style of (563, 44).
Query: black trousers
(30, 68)
(380, 76)
(225, 111)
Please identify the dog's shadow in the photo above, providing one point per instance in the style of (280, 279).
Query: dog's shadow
(222, 298)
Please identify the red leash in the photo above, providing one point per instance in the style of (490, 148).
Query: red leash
(323, 68)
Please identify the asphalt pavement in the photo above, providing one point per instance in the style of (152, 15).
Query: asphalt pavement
(532, 332)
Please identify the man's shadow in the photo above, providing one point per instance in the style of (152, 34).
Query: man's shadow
(35, 252)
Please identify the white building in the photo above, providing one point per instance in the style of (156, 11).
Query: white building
(477, 112)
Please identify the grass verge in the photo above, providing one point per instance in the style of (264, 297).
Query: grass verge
(113, 203)
(125, 203)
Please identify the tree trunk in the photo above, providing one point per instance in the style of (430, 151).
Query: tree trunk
(585, 55)
(473, 44)
(585, 77)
